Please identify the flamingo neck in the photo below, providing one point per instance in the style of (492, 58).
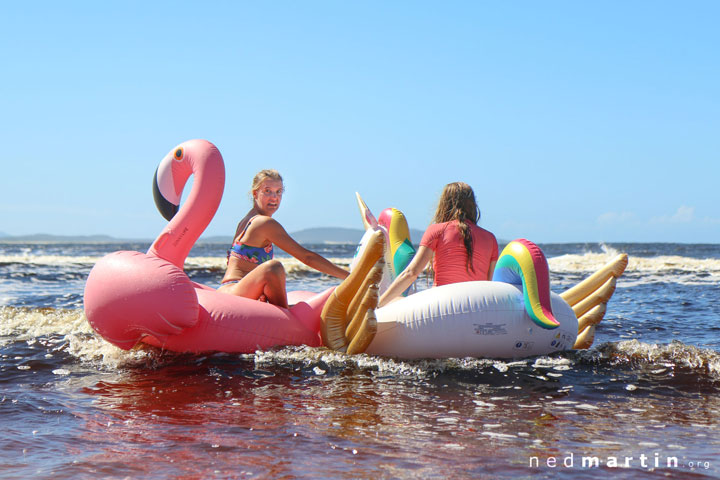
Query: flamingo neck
(179, 236)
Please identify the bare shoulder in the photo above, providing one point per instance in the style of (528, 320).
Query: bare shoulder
(266, 224)
(263, 221)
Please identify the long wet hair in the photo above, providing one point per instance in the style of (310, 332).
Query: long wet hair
(457, 202)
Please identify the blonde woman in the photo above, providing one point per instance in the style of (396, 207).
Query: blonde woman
(461, 251)
(251, 270)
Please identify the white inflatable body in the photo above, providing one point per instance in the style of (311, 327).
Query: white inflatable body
(490, 319)
(470, 319)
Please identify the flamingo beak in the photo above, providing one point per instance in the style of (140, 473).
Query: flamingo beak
(167, 208)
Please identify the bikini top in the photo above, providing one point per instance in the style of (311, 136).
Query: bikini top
(249, 253)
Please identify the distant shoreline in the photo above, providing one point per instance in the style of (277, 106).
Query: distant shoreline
(320, 235)
(311, 236)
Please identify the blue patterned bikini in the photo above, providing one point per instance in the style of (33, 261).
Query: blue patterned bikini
(242, 251)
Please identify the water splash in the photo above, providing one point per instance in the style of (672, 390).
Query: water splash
(675, 355)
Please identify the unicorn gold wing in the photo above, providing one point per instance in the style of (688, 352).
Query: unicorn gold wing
(589, 298)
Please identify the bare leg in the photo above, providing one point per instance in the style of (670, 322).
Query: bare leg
(266, 279)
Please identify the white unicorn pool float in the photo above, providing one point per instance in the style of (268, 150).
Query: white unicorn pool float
(516, 315)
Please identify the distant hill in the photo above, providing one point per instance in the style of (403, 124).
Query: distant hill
(320, 235)
(45, 237)
(338, 235)
(307, 236)
(328, 235)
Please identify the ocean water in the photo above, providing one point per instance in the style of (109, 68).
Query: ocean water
(643, 402)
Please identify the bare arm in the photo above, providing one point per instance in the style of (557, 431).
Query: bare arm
(491, 270)
(277, 235)
(408, 276)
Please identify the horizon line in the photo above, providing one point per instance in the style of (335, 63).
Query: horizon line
(104, 238)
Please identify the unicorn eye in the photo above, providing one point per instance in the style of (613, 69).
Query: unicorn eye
(179, 154)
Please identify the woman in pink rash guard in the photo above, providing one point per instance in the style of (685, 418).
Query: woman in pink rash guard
(462, 251)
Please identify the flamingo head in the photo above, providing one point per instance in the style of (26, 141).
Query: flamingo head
(168, 183)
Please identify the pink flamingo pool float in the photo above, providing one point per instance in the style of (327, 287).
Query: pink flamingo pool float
(133, 297)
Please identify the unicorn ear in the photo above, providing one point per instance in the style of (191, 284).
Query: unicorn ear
(369, 220)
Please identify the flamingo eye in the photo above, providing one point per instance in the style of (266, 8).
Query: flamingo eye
(179, 154)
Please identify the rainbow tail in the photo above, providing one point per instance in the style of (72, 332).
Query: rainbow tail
(523, 263)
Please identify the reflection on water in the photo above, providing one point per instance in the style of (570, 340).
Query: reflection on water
(307, 416)
(72, 406)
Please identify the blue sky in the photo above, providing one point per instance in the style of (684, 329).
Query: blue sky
(573, 121)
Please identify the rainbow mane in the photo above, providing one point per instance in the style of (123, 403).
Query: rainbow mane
(400, 248)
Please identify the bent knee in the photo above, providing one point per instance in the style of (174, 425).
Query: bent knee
(275, 267)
